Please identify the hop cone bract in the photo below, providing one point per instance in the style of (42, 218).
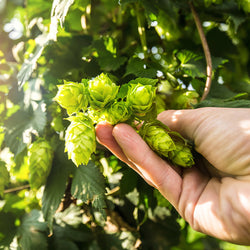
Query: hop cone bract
(182, 155)
(157, 137)
(72, 97)
(40, 156)
(80, 140)
(141, 97)
(102, 91)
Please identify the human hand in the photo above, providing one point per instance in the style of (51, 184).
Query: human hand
(214, 195)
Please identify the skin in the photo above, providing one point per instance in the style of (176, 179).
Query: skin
(214, 195)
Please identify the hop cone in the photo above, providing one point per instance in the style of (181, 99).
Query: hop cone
(182, 155)
(80, 139)
(72, 97)
(40, 156)
(118, 112)
(141, 97)
(157, 137)
(102, 91)
(183, 99)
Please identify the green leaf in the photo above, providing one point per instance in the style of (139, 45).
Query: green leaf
(56, 184)
(7, 228)
(4, 177)
(191, 63)
(22, 124)
(144, 81)
(32, 234)
(215, 102)
(123, 91)
(139, 68)
(128, 181)
(161, 230)
(107, 60)
(89, 185)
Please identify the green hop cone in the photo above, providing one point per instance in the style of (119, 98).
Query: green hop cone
(183, 99)
(72, 97)
(40, 156)
(96, 115)
(157, 137)
(118, 112)
(182, 155)
(141, 98)
(80, 140)
(102, 91)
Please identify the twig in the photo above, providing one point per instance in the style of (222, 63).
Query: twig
(206, 51)
(12, 190)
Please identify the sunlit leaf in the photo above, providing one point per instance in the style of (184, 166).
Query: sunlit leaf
(58, 13)
(68, 231)
(30, 64)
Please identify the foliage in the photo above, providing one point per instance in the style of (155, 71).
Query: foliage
(104, 205)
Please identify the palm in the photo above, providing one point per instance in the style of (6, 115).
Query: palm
(217, 202)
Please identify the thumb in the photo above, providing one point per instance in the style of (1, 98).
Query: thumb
(186, 122)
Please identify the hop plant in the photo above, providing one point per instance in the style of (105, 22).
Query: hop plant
(40, 156)
(182, 155)
(72, 97)
(157, 137)
(141, 97)
(80, 139)
(98, 100)
(118, 112)
(102, 91)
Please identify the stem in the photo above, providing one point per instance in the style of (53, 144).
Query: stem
(141, 29)
(206, 51)
(12, 190)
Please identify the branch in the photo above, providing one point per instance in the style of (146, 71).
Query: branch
(12, 190)
(206, 52)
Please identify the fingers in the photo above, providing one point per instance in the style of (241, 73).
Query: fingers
(104, 136)
(151, 166)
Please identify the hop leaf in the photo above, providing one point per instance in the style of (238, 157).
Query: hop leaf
(4, 179)
(157, 137)
(72, 97)
(141, 97)
(118, 112)
(182, 155)
(80, 139)
(40, 156)
(102, 91)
